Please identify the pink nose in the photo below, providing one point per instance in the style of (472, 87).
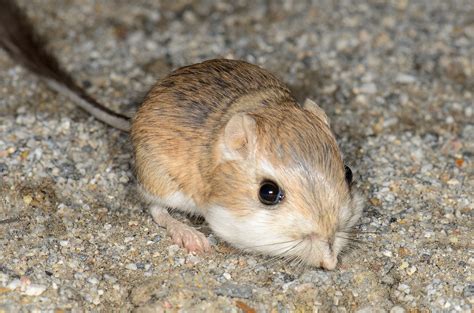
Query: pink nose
(329, 263)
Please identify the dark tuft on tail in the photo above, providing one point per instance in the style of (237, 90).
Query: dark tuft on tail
(23, 45)
(26, 47)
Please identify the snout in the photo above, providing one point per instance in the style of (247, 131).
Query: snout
(324, 255)
(329, 263)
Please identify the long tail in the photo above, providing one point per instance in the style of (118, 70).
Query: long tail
(19, 40)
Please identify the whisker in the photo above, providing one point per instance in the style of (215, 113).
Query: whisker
(244, 252)
(303, 263)
(361, 224)
(277, 256)
(273, 243)
(298, 265)
(357, 231)
(352, 239)
(294, 262)
(350, 234)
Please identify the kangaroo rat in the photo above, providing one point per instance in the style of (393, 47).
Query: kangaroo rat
(225, 140)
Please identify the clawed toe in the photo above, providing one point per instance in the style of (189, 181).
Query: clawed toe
(182, 234)
(189, 238)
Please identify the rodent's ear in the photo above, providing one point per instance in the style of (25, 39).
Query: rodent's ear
(311, 106)
(239, 137)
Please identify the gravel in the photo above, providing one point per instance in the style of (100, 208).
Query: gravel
(396, 79)
(234, 291)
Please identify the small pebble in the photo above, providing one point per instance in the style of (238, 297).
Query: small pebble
(172, 250)
(405, 79)
(369, 88)
(93, 280)
(404, 265)
(234, 290)
(34, 290)
(14, 284)
(193, 259)
(27, 199)
(397, 309)
(468, 291)
(131, 266)
(411, 270)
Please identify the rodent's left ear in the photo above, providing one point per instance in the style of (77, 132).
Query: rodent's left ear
(311, 106)
(239, 137)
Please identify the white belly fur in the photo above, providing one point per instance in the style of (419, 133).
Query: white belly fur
(177, 200)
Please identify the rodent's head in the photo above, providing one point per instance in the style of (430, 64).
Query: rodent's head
(281, 187)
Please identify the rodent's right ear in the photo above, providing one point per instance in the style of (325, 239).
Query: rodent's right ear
(312, 106)
(239, 137)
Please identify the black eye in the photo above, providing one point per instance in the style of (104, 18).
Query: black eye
(270, 193)
(348, 171)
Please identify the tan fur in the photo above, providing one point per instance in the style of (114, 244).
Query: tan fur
(206, 137)
(215, 130)
(182, 116)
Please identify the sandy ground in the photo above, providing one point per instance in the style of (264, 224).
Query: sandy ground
(396, 79)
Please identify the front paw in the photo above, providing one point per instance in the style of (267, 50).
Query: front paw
(189, 238)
